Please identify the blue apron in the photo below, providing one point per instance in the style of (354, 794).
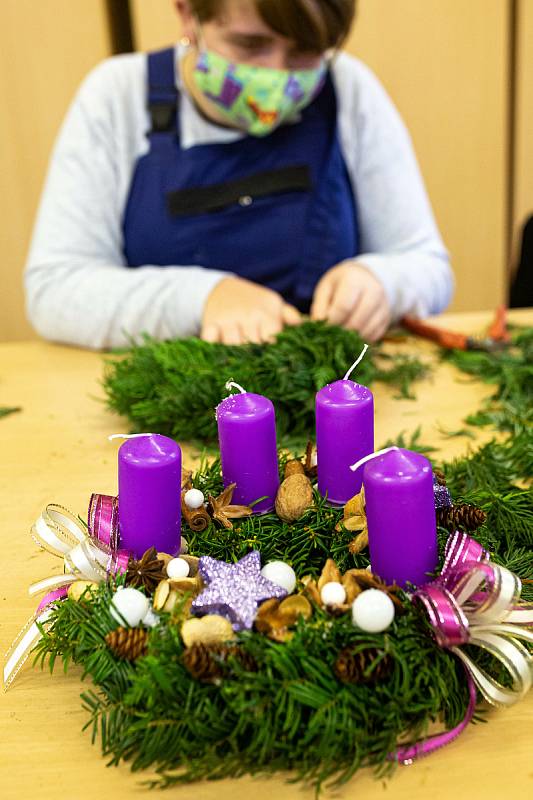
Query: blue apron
(278, 210)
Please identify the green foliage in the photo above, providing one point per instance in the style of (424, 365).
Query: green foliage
(6, 410)
(173, 387)
(510, 408)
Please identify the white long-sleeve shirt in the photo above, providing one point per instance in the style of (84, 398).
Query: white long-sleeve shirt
(79, 288)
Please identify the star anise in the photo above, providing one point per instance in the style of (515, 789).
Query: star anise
(146, 572)
(223, 511)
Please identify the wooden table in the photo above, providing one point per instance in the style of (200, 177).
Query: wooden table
(56, 450)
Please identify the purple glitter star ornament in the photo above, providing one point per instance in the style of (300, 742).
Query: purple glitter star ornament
(234, 590)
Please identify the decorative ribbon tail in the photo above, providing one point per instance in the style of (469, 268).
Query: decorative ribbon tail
(409, 753)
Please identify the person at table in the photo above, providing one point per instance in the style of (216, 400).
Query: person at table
(227, 185)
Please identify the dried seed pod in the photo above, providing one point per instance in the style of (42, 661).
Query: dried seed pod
(165, 558)
(211, 629)
(161, 595)
(77, 588)
(295, 606)
(274, 618)
(330, 574)
(359, 542)
(192, 561)
(182, 585)
(171, 601)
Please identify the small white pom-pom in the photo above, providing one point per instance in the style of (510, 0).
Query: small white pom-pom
(150, 619)
(372, 611)
(333, 593)
(281, 574)
(177, 568)
(194, 498)
(129, 605)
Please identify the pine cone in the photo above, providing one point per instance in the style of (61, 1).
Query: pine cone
(464, 515)
(206, 663)
(350, 666)
(128, 643)
(440, 476)
(147, 572)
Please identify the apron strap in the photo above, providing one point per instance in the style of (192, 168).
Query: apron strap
(162, 91)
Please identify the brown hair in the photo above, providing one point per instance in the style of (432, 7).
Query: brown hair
(315, 25)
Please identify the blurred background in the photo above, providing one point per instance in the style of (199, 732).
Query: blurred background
(460, 72)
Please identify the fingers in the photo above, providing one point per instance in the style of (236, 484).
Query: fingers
(251, 331)
(322, 297)
(231, 333)
(290, 315)
(346, 297)
(210, 333)
(362, 315)
(377, 327)
(269, 327)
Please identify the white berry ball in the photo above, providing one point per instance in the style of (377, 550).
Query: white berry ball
(333, 594)
(184, 546)
(130, 605)
(177, 568)
(194, 498)
(281, 574)
(150, 619)
(372, 611)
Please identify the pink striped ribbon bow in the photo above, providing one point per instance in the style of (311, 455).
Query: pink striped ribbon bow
(89, 553)
(476, 602)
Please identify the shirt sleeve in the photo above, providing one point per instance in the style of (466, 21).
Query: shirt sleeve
(399, 240)
(78, 287)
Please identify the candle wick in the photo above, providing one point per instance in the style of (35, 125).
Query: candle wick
(373, 455)
(356, 362)
(232, 385)
(127, 435)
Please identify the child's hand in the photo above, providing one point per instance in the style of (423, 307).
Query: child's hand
(239, 311)
(350, 295)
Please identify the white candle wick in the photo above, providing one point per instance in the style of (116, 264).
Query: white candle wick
(232, 385)
(373, 455)
(127, 435)
(355, 363)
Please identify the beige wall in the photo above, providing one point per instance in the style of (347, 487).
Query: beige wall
(523, 184)
(45, 50)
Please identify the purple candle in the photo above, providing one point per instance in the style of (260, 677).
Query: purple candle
(149, 494)
(400, 510)
(344, 434)
(248, 450)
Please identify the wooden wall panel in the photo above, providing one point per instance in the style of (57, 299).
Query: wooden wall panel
(46, 49)
(445, 64)
(523, 150)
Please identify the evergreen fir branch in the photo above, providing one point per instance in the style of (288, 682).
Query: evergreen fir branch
(7, 410)
(173, 387)
(510, 407)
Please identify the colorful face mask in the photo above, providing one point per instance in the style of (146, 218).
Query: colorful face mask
(256, 99)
